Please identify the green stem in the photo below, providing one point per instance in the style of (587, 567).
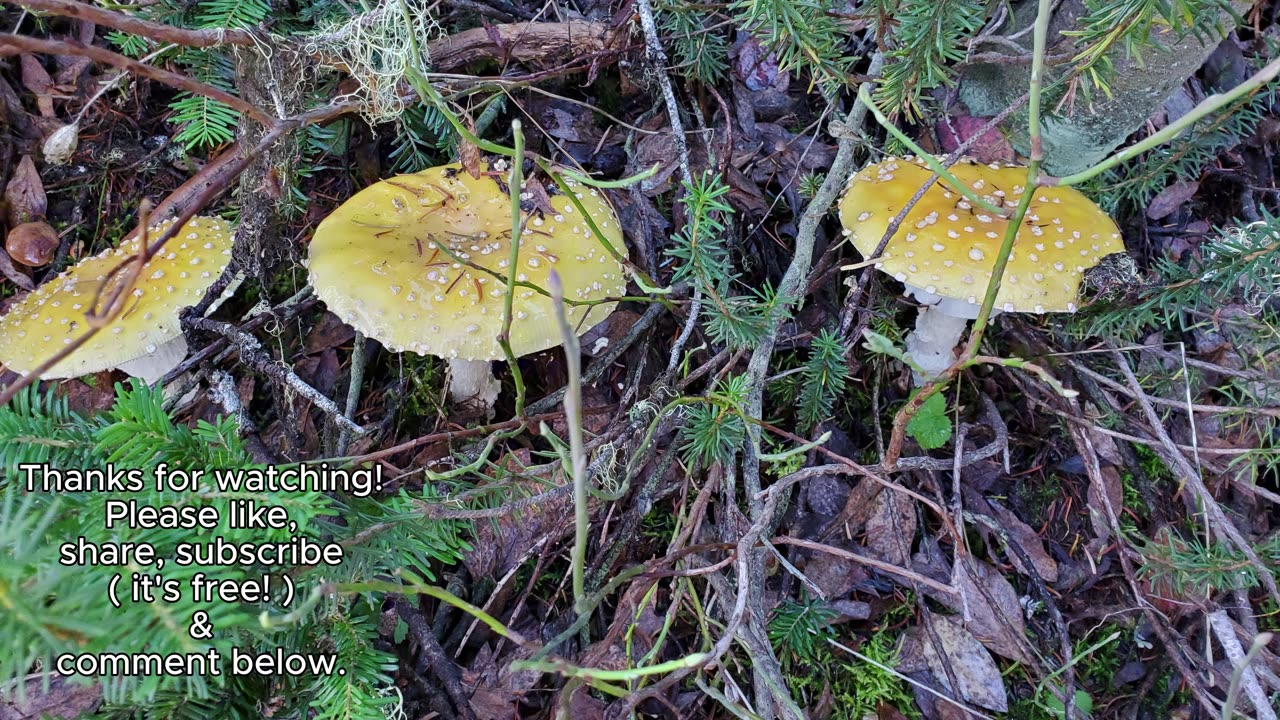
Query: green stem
(864, 94)
(1035, 91)
(577, 455)
(1207, 107)
(516, 183)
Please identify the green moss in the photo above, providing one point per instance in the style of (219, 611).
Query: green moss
(857, 687)
(424, 383)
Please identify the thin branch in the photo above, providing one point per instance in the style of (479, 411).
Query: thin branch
(21, 43)
(252, 354)
(137, 26)
(198, 200)
(1213, 511)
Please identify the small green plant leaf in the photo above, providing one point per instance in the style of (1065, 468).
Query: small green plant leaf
(930, 426)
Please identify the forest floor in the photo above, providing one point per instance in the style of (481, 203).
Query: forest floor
(1105, 528)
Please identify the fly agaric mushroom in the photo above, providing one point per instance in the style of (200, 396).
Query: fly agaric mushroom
(145, 340)
(946, 246)
(420, 262)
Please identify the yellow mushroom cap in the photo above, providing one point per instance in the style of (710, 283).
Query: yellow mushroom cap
(395, 262)
(948, 245)
(53, 315)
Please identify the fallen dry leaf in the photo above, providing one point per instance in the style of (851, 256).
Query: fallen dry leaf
(1019, 532)
(755, 66)
(35, 79)
(1167, 201)
(15, 276)
(995, 615)
(991, 147)
(24, 195)
(891, 528)
(958, 652)
(61, 699)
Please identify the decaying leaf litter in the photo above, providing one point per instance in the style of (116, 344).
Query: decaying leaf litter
(771, 509)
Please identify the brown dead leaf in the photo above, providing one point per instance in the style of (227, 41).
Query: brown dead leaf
(833, 575)
(492, 704)
(15, 276)
(995, 615)
(1171, 198)
(328, 332)
(62, 699)
(600, 338)
(508, 540)
(1098, 509)
(660, 150)
(957, 653)
(24, 195)
(826, 495)
(1019, 532)
(993, 146)
(35, 79)
(89, 400)
(891, 528)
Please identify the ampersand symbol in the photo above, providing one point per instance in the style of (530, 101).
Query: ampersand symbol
(201, 628)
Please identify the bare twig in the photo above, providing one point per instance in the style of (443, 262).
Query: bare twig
(1213, 511)
(1243, 676)
(252, 354)
(353, 391)
(22, 43)
(137, 26)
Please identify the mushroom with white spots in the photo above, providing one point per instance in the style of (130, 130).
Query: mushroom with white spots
(420, 263)
(145, 340)
(945, 248)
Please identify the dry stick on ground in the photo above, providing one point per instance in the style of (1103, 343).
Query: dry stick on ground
(523, 42)
(737, 614)
(201, 198)
(22, 43)
(1218, 520)
(885, 567)
(1180, 405)
(137, 26)
(758, 367)
(434, 656)
(252, 354)
(1225, 631)
(1055, 615)
(1176, 648)
(658, 56)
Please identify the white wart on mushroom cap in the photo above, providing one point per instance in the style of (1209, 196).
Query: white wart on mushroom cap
(419, 262)
(947, 246)
(145, 340)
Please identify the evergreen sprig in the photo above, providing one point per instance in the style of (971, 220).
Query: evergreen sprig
(700, 54)
(704, 258)
(714, 430)
(1239, 266)
(924, 37)
(1125, 27)
(799, 630)
(1132, 185)
(51, 608)
(823, 378)
(804, 34)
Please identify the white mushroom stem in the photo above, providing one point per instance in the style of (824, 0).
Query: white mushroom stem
(155, 365)
(932, 344)
(472, 381)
